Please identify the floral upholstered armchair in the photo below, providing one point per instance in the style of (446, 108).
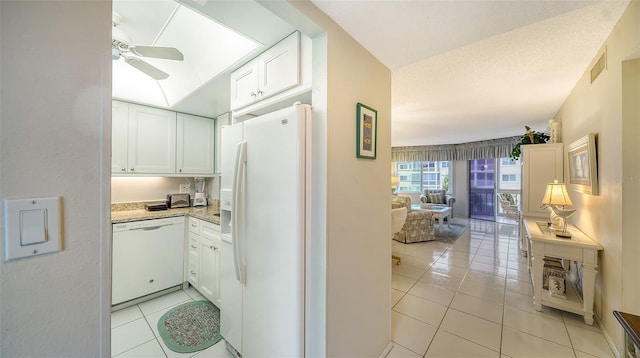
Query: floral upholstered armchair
(437, 197)
(509, 205)
(419, 226)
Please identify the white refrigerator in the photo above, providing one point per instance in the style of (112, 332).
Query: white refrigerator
(265, 222)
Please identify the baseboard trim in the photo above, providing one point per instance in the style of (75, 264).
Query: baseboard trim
(607, 337)
(386, 350)
(148, 297)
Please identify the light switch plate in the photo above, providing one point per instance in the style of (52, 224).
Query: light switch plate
(32, 227)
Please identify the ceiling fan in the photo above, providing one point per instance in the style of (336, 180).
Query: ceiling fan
(121, 47)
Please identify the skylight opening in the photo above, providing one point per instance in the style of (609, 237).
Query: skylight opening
(209, 50)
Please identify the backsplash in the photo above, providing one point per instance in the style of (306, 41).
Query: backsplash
(150, 189)
(214, 205)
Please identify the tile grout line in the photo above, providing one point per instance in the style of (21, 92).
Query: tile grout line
(154, 336)
(504, 301)
(445, 312)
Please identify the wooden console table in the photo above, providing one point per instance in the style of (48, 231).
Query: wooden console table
(631, 325)
(542, 242)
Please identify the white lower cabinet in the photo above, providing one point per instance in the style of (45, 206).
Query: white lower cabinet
(204, 259)
(192, 260)
(209, 262)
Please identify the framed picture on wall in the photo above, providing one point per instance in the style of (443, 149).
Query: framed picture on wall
(583, 165)
(367, 132)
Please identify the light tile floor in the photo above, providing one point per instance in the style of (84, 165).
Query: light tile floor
(473, 298)
(134, 331)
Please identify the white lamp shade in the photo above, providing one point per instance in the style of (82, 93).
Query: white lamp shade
(556, 194)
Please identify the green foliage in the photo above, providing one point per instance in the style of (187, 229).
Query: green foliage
(445, 183)
(538, 138)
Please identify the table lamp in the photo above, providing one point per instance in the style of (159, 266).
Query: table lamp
(556, 198)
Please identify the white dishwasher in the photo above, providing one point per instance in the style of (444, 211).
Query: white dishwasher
(148, 257)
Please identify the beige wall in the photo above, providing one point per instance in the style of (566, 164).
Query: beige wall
(597, 108)
(630, 186)
(358, 204)
(55, 118)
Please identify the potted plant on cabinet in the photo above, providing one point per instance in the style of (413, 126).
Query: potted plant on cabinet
(530, 137)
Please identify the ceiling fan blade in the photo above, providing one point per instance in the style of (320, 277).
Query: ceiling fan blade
(150, 70)
(167, 53)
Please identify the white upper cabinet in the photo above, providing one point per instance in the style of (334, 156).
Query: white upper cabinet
(279, 67)
(195, 145)
(222, 120)
(275, 70)
(152, 140)
(541, 164)
(143, 139)
(147, 140)
(119, 129)
(244, 85)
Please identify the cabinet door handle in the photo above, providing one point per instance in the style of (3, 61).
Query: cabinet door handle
(259, 93)
(180, 170)
(253, 94)
(193, 272)
(124, 169)
(194, 247)
(131, 169)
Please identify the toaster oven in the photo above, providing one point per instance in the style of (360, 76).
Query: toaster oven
(178, 200)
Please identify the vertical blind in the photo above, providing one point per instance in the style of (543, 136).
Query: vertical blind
(486, 149)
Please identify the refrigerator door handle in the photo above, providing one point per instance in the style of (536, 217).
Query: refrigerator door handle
(237, 220)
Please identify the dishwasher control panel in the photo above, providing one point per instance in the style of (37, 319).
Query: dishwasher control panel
(143, 224)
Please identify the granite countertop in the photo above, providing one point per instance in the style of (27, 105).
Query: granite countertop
(122, 213)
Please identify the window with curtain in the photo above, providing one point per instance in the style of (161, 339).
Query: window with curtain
(507, 162)
(418, 176)
(509, 179)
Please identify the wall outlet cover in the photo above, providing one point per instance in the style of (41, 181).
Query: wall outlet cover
(184, 188)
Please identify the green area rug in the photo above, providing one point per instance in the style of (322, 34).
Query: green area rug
(449, 234)
(190, 327)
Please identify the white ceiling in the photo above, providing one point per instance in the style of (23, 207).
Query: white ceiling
(471, 70)
(214, 37)
(461, 70)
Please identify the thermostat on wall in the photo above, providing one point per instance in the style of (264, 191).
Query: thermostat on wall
(32, 227)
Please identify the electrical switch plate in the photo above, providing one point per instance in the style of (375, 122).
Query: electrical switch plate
(32, 227)
(185, 188)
